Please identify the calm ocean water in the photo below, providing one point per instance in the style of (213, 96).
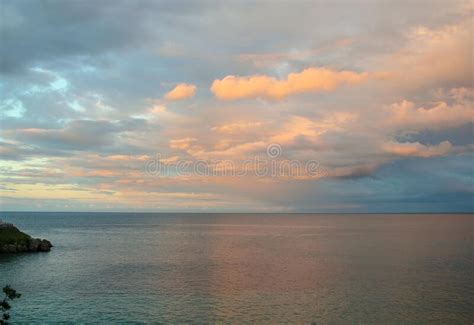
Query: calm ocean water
(244, 268)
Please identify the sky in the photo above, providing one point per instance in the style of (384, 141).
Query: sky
(147, 105)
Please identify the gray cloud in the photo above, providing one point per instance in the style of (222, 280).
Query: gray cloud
(79, 135)
(35, 32)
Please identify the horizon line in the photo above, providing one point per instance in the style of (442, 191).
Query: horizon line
(229, 212)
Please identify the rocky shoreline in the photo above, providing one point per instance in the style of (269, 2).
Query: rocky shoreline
(12, 240)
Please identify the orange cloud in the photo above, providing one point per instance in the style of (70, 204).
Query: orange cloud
(233, 128)
(182, 144)
(158, 109)
(128, 158)
(434, 57)
(298, 126)
(181, 91)
(406, 115)
(308, 80)
(416, 149)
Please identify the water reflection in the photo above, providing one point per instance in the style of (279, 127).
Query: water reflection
(245, 268)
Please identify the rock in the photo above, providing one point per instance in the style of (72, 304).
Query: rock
(21, 248)
(33, 245)
(45, 246)
(13, 240)
(11, 248)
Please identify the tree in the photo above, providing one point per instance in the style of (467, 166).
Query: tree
(10, 294)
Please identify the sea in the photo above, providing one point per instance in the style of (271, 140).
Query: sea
(175, 268)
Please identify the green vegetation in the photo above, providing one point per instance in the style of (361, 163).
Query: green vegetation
(10, 295)
(11, 235)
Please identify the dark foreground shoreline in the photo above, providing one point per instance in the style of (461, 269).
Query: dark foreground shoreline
(12, 240)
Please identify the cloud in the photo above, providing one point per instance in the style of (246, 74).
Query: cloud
(128, 158)
(405, 115)
(294, 55)
(182, 144)
(181, 91)
(298, 127)
(11, 151)
(233, 128)
(73, 130)
(434, 57)
(97, 29)
(308, 80)
(416, 149)
(78, 135)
